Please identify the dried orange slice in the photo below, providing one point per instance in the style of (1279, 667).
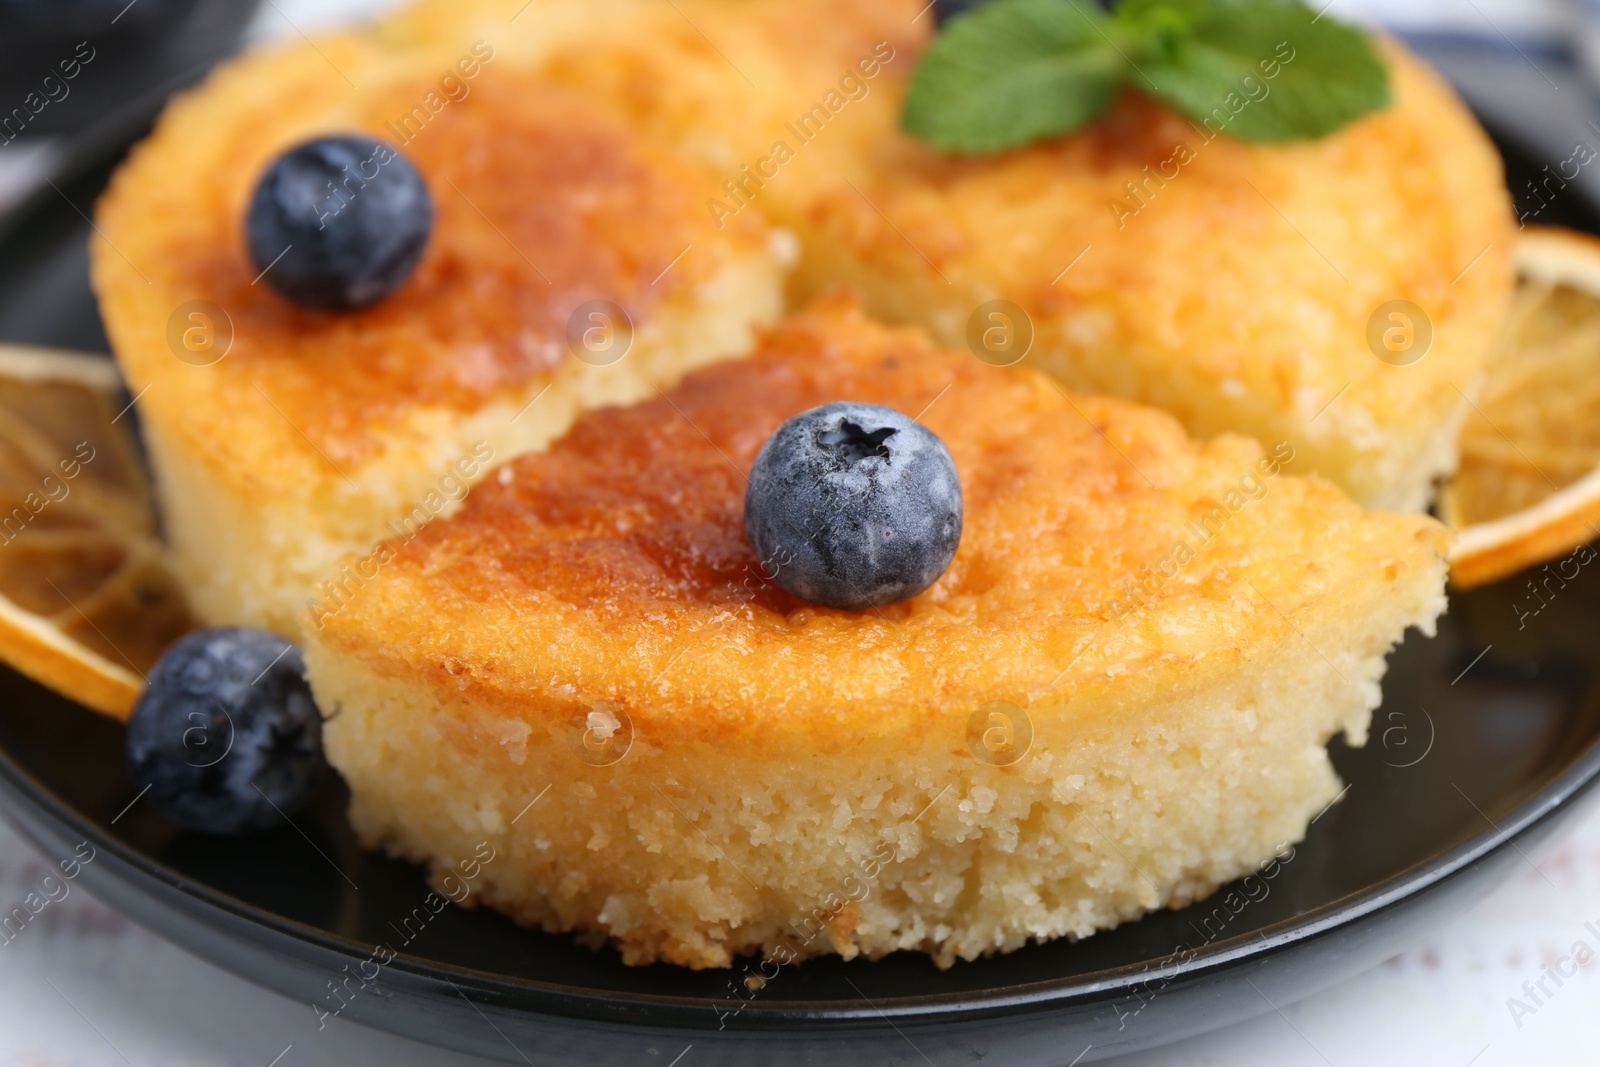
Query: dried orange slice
(1528, 488)
(86, 605)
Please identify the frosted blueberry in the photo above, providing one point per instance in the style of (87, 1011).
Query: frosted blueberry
(339, 222)
(226, 738)
(853, 506)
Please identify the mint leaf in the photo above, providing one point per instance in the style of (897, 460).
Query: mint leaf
(1016, 71)
(1012, 72)
(1324, 73)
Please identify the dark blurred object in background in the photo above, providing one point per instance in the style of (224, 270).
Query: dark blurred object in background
(67, 64)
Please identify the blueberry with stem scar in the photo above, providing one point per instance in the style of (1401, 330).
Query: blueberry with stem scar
(853, 506)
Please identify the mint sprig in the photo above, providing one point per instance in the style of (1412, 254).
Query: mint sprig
(1017, 71)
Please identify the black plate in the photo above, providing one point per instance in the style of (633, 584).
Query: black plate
(130, 51)
(1487, 738)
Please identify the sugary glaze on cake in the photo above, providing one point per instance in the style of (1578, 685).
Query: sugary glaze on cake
(1181, 627)
(610, 554)
(1227, 281)
(316, 432)
(541, 204)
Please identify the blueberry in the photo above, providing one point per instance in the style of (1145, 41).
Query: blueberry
(853, 506)
(945, 10)
(338, 222)
(226, 735)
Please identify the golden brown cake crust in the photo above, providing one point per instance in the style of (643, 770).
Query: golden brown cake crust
(615, 567)
(316, 431)
(541, 203)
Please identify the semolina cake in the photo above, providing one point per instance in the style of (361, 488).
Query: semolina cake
(285, 438)
(1115, 698)
(1233, 283)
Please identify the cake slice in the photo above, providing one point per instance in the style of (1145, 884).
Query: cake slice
(284, 438)
(1115, 699)
(1243, 286)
